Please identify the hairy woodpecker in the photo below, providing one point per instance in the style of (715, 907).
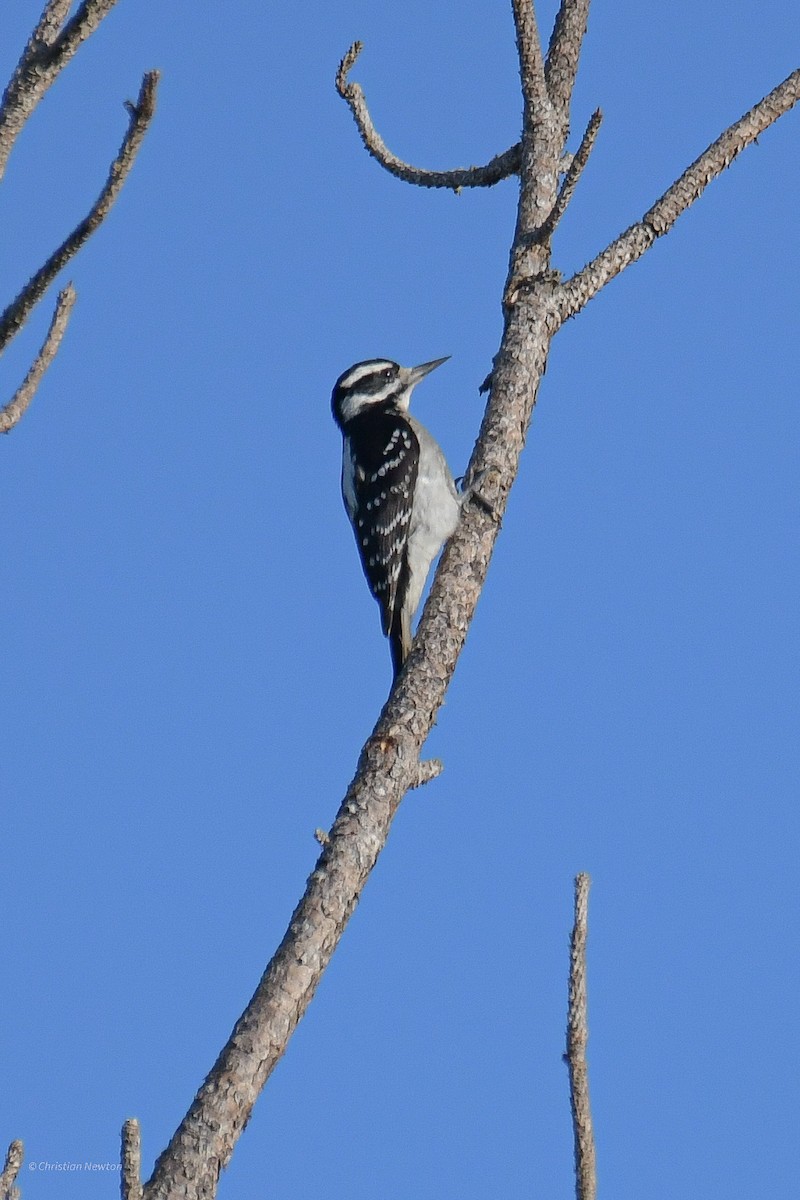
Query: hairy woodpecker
(397, 489)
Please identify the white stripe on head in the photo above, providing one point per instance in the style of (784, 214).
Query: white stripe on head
(362, 369)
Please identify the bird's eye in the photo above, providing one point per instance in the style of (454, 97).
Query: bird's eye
(387, 374)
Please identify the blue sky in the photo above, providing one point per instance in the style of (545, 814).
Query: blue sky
(192, 660)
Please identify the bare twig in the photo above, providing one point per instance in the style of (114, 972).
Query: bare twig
(141, 115)
(531, 64)
(500, 167)
(530, 254)
(630, 245)
(27, 389)
(430, 768)
(573, 173)
(564, 51)
(53, 17)
(48, 51)
(131, 1161)
(577, 1039)
(10, 1171)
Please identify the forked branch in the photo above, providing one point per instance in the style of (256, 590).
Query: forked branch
(500, 167)
(140, 114)
(48, 51)
(17, 313)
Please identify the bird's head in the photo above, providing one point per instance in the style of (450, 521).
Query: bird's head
(376, 383)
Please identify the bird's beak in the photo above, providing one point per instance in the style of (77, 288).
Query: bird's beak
(417, 373)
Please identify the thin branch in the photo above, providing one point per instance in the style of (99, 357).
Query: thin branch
(10, 415)
(563, 54)
(10, 1171)
(48, 51)
(501, 166)
(577, 1039)
(632, 244)
(428, 770)
(53, 17)
(131, 1161)
(573, 173)
(141, 115)
(88, 16)
(530, 254)
(531, 64)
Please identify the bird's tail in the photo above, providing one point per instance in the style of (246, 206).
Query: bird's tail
(400, 638)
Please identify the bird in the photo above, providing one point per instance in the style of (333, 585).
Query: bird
(397, 489)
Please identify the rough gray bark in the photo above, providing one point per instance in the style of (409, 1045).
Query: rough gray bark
(535, 305)
(577, 1041)
(26, 390)
(14, 1154)
(131, 1161)
(51, 46)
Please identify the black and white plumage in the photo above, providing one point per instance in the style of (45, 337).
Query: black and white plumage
(397, 489)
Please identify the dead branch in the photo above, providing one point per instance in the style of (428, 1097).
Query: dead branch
(131, 1161)
(538, 177)
(577, 1040)
(17, 313)
(25, 392)
(48, 51)
(389, 763)
(10, 1171)
(561, 67)
(500, 167)
(573, 173)
(430, 769)
(630, 245)
(536, 102)
(140, 116)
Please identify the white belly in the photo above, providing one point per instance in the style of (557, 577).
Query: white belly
(436, 512)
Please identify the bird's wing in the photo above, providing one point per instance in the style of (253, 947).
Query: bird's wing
(378, 489)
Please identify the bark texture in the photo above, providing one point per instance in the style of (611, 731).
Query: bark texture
(131, 1161)
(11, 413)
(14, 1156)
(50, 47)
(577, 1041)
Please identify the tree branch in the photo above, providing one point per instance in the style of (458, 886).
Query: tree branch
(530, 254)
(632, 244)
(131, 1161)
(141, 114)
(500, 167)
(531, 64)
(53, 17)
(563, 54)
(48, 51)
(577, 1039)
(388, 767)
(10, 1171)
(429, 770)
(573, 173)
(389, 763)
(10, 415)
